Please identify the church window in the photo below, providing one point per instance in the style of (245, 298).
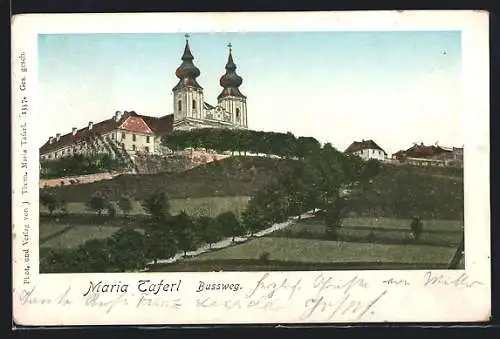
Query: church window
(237, 113)
(194, 105)
(179, 105)
(133, 137)
(123, 136)
(146, 149)
(147, 139)
(133, 147)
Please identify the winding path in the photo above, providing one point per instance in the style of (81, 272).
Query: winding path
(228, 241)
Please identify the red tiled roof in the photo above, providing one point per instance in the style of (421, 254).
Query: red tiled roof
(136, 123)
(421, 151)
(161, 125)
(362, 145)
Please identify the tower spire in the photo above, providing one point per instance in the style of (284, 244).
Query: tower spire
(187, 72)
(230, 81)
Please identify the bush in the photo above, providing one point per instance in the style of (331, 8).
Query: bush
(50, 201)
(264, 257)
(157, 205)
(98, 203)
(417, 227)
(125, 204)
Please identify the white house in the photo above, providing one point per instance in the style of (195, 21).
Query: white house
(367, 149)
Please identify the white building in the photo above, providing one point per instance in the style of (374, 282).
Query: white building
(367, 149)
(128, 133)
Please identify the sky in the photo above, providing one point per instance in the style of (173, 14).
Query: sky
(396, 88)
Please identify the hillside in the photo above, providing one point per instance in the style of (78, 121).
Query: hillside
(235, 176)
(398, 191)
(406, 191)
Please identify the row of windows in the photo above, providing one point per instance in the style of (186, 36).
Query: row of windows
(134, 137)
(74, 150)
(82, 146)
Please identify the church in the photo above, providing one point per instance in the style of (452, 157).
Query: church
(132, 133)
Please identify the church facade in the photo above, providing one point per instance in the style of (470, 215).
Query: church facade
(131, 133)
(190, 108)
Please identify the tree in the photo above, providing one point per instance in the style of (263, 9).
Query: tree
(211, 230)
(50, 201)
(157, 205)
(230, 225)
(125, 204)
(417, 227)
(253, 218)
(98, 204)
(97, 255)
(184, 232)
(333, 218)
(159, 240)
(306, 146)
(127, 250)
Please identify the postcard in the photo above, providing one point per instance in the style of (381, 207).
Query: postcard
(263, 168)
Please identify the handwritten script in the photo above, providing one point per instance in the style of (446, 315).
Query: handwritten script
(310, 297)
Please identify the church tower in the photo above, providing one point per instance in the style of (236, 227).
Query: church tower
(188, 94)
(231, 99)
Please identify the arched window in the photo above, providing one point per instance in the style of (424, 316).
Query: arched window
(179, 105)
(194, 105)
(237, 113)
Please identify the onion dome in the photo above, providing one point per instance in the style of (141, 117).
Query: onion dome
(230, 81)
(187, 72)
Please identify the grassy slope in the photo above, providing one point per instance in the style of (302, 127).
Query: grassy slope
(438, 191)
(235, 176)
(210, 206)
(405, 191)
(322, 251)
(78, 235)
(312, 254)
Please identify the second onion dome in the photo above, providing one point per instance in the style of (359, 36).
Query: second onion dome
(230, 81)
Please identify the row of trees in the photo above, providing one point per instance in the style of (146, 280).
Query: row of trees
(243, 141)
(79, 164)
(166, 234)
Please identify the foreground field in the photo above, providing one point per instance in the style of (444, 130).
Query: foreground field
(311, 254)
(208, 206)
(75, 235)
(323, 251)
(443, 233)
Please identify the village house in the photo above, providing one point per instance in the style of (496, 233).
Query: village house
(366, 150)
(433, 155)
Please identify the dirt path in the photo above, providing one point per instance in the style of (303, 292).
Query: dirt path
(238, 240)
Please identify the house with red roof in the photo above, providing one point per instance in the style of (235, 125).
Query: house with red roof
(125, 132)
(430, 155)
(366, 150)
